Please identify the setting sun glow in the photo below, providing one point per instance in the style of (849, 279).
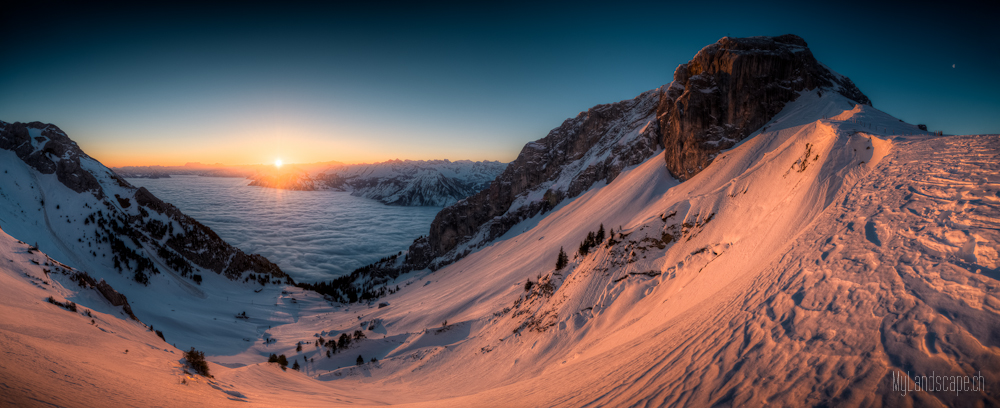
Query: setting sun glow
(277, 163)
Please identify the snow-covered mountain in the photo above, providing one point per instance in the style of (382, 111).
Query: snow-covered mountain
(70, 206)
(834, 256)
(394, 182)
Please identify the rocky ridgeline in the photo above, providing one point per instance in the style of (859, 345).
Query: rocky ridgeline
(50, 151)
(729, 90)
(594, 146)
(141, 233)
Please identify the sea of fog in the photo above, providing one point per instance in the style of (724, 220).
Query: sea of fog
(311, 235)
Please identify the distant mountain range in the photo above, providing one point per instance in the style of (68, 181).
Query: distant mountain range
(394, 182)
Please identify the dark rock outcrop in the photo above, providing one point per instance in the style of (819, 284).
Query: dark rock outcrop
(49, 152)
(732, 88)
(199, 244)
(102, 287)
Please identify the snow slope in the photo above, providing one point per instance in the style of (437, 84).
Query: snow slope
(95, 356)
(797, 272)
(808, 265)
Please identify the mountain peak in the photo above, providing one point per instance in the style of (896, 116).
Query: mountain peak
(48, 149)
(732, 88)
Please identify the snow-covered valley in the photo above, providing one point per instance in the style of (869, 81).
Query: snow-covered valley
(813, 262)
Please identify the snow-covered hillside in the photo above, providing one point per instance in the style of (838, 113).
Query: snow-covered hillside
(70, 206)
(809, 265)
(805, 266)
(394, 182)
(96, 356)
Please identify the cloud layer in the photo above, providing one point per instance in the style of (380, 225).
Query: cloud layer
(311, 235)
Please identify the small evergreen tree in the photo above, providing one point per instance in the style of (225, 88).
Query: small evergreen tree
(600, 234)
(295, 366)
(528, 285)
(361, 360)
(196, 360)
(298, 347)
(283, 361)
(273, 358)
(374, 360)
(561, 259)
(358, 335)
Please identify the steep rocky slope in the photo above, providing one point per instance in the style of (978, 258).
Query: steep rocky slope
(729, 90)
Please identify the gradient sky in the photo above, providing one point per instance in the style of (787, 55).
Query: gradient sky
(251, 83)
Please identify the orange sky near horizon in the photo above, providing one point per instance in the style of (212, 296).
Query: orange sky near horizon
(236, 150)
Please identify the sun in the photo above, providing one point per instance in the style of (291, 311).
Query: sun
(277, 163)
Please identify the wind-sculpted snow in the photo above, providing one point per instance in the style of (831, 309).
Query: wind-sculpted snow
(756, 283)
(311, 235)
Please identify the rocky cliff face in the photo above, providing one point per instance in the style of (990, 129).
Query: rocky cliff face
(48, 150)
(592, 147)
(732, 88)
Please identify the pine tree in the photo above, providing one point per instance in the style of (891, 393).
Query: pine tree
(361, 360)
(562, 259)
(298, 347)
(296, 365)
(600, 234)
(197, 361)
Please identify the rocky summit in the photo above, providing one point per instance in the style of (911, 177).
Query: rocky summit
(732, 88)
(728, 91)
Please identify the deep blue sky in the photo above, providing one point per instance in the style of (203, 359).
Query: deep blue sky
(249, 84)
